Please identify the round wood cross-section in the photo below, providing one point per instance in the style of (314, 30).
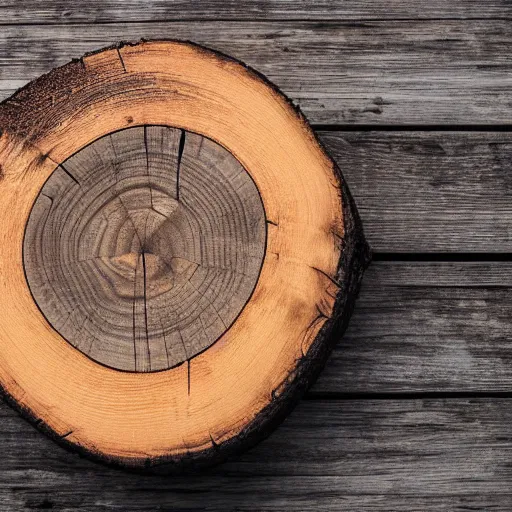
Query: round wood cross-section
(143, 247)
(178, 255)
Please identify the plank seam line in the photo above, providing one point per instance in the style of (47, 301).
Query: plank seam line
(456, 257)
(334, 127)
(407, 395)
(316, 21)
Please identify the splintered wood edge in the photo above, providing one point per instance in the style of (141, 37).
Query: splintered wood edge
(233, 394)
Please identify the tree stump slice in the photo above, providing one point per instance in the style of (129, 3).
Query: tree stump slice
(178, 255)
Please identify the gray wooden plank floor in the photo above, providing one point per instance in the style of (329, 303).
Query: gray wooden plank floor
(399, 455)
(379, 72)
(413, 410)
(426, 326)
(427, 192)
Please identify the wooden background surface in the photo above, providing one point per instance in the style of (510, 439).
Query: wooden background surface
(414, 410)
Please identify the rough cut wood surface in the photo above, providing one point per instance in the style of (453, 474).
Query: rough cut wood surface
(369, 455)
(143, 248)
(224, 399)
(376, 72)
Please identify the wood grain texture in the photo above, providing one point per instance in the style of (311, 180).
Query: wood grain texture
(449, 318)
(427, 327)
(369, 455)
(142, 248)
(108, 11)
(378, 72)
(429, 191)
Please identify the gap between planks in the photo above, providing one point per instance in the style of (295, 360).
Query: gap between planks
(425, 395)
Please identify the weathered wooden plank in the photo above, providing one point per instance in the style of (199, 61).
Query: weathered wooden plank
(375, 72)
(400, 455)
(103, 11)
(429, 191)
(427, 326)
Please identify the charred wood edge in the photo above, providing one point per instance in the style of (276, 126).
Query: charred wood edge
(355, 257)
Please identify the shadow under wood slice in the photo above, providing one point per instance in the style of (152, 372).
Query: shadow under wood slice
(179, 251)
